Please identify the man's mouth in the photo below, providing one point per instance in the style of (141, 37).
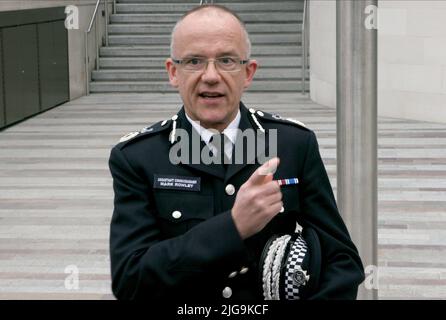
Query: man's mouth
(210, 95)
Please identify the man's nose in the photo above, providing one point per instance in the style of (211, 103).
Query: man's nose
(210, 73)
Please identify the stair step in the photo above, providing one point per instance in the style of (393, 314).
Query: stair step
(238, 7)
(262, 17)
(164, 51)
(129, 75)
(167, 28)
(161, 75)
(165, 39)
(164, 87)
(139, 39)
(133, 62)
(191, 1)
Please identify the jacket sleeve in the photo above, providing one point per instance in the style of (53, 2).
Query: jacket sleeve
(142, 265)
(341, 267)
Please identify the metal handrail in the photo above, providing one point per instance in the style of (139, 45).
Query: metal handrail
(205, 2)
(304, 47)
(87, 32)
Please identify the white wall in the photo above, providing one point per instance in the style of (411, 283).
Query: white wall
(323, 51)
(411, 58)
(76, 47)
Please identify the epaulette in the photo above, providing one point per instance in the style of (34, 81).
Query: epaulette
(275, 118)
(144, 132)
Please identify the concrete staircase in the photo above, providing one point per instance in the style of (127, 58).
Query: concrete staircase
(139, 36)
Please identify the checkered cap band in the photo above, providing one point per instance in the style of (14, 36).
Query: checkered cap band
(295, 277)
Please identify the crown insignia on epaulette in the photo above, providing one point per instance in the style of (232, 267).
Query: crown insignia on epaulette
(296, 122)
(129, 136)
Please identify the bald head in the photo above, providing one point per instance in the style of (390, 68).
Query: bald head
(205, 15)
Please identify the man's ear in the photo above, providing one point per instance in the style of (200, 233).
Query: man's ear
(171, 68)
(250, 71)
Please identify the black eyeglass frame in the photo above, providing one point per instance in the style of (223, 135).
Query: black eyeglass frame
(180, 62)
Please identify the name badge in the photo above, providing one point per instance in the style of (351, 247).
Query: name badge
(176, 183)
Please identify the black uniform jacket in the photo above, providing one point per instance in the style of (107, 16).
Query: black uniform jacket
(181, 244)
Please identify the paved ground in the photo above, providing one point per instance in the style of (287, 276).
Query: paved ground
(56, 196)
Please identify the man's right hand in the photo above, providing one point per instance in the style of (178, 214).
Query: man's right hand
(258, 200)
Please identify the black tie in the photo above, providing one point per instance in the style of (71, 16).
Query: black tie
(219, 140)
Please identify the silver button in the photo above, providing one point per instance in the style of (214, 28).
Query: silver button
(227, 292)
(163, 123)
(282, 209)
(260, 113)
(175, 117)
(176, 214)
(252, 110)
(244, 270)
(232, 274)
(230, 189)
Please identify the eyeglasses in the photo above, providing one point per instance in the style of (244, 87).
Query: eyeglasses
(224, 64)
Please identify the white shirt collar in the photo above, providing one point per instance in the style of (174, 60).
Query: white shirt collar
(230, 131)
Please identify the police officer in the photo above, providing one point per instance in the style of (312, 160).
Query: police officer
(190, 230)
